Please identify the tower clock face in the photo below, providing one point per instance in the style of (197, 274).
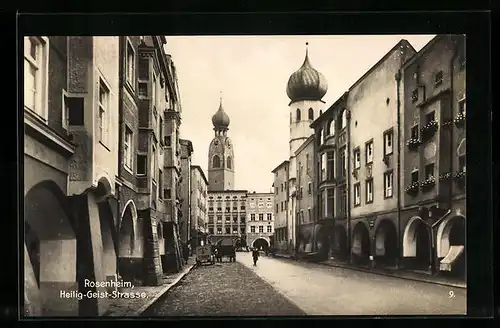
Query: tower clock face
(216, 142)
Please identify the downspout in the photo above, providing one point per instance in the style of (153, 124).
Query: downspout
(398, 166)
(348, 184)
(120, 147)
(452, 73)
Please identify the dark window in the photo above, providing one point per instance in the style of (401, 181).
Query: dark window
(414, 132)
(216, 161)
(143, 89)
(143, 69)
(277, 208)
(228, 209)
(142, 161)
(414, 176)
(462, 107)
(167, 194)
(297, 114)
(343, 162)
(228, 230)
(309, 188)
(229, 162)
(430, 117)
(330, 166)
(168, 141)
(320, 112)
(438, 78)
(75, 110)
(330, 202)
(161, 128)
(211, 231)
(343, 201)
(160, 180)
(310, 114)
(261, 217)
(414, 95)
(429, 170)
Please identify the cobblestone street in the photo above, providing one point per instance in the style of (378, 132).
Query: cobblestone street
(224, 289)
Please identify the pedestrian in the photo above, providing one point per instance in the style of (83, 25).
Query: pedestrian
(185, 253)
(255, 255)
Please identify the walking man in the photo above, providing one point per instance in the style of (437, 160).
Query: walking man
(255, 255)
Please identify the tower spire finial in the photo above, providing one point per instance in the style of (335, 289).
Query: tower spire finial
(221, 97)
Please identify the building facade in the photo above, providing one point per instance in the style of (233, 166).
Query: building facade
(281, 231)
(434, 107)
(372, 153)
(199, 207)
(186, 187)
(305, 196)
(227, 215)
(94, 154)
(330, 179)
(260, 223)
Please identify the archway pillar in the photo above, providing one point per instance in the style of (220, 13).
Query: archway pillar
(89, 254)
(32, 297)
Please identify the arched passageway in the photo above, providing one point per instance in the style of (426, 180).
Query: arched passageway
(361, 244)
(417, 244)
(386, 240)
(261, 244)
(339, 242)
(51, 247)
(450, 246)
(130, 249)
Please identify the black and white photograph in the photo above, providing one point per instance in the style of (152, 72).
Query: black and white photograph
(178, 176)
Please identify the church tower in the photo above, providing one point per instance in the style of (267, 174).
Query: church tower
(220, 154)
(306, 88)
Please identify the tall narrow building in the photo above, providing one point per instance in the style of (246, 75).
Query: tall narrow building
(306, 87)
(220, 154)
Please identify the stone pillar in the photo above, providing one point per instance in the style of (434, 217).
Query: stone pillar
(32, 299)
(153, 266)
(89, 254)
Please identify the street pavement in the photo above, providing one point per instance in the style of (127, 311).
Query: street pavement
(323, 290)
(223, 289)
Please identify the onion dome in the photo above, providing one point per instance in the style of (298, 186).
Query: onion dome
(220, 120)
(306, 83)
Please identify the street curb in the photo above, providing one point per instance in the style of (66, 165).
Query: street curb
(146, 306)
(429, 281)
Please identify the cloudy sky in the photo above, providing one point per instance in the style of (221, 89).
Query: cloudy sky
(252, 73)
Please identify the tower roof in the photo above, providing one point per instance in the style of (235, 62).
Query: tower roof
(306, 83)
(220, 119)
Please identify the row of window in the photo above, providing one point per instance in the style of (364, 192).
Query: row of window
(227, 230)
(228, 209)
(261, 205)
(227, 219)
(227, 197)
(261, 229)
(438, 80)
(329, 129)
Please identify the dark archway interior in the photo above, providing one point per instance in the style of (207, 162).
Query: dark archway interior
(33, 245)
(457, 233)
(127, 233)
(339, 246)
(261, 244)
(389, 235)
(363, 236)
(457, 237)
(423, 247)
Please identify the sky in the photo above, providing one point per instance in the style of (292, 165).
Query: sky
(252, 73)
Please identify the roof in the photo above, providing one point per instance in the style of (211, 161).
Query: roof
(422, 51)
(281, 165)
(197, 167)
(227, 191)
(327, 112)
(305, 144)
(188, 143)
(381, 60)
